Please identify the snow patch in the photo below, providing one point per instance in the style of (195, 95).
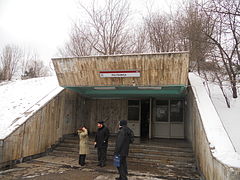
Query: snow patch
(219, 141)
(22, 98)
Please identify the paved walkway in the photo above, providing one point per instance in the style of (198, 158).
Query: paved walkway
(64, 168)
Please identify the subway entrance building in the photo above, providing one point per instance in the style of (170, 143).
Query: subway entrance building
(155, 93)
(147, 90)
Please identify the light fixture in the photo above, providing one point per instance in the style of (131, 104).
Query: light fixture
(149, 87)
(104, 88)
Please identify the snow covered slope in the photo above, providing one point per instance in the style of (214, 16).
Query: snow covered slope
(230, 117)
(20, 99)
(220, 142)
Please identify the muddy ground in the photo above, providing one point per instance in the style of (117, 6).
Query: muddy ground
(65, 168)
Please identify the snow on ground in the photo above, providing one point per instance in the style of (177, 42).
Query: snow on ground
(20, 99)
(230, 117)
(218, 127)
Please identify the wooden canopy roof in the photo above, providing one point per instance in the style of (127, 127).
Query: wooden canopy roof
(93, 75)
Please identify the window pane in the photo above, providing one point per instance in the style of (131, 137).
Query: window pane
(133, 102)
(176, 114)
(133, 113)
(162, 111)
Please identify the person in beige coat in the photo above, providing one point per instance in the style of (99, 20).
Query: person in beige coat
(83, 145)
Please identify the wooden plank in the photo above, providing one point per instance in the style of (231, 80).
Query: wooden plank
(109, 110)
(43, 128)
(156, 69)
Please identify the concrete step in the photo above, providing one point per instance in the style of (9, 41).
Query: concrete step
(178, 144)
(133, 149)
(139, 154)
(162, 169)
(157, 147)
(135, 158)
(171, 159)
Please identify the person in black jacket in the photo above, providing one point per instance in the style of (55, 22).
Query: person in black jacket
(101, 143)
(124, 138)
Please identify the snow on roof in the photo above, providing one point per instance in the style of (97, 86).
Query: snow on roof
(219, 141)
(22, 98)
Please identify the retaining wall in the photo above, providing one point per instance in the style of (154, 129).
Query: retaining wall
(43, 129)
(215, 155)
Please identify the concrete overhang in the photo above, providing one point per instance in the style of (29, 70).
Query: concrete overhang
(124, 76)
(159, 69)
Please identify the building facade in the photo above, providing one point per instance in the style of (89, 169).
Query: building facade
(148, 90)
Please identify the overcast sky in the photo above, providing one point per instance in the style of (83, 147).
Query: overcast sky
(44, 25)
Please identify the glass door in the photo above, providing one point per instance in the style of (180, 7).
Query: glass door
(161, 124)
(134, 115)
(168, 119)
(176, 118)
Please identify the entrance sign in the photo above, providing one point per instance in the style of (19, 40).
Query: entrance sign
(120, 73)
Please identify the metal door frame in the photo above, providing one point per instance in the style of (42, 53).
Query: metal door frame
(139, 117)
(168, 123)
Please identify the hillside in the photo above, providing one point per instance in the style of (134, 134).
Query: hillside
(21, 98)
(228, 116)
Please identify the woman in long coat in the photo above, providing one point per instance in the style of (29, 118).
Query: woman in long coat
(83, 145)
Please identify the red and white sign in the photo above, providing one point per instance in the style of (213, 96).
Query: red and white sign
(120, 73)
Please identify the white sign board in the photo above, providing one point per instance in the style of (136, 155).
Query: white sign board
(120, 73)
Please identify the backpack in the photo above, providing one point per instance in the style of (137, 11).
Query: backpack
(131, 136)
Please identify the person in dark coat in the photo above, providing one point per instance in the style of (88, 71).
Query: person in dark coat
(101, 143)
(124, 138)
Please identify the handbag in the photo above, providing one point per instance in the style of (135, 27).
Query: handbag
(116, 160)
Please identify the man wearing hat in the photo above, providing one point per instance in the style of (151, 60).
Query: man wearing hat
(124, 138)
(101, 143)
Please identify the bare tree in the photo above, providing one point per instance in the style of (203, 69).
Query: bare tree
(24, 63)
(192, 25)
(33, 67)
(213, 71)
(225, 35)
(107, 31)
(78, 45)
(225, 7)
(139, 42)
(104, 32)
(11, 56)
(163, 33)
(158, 27)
